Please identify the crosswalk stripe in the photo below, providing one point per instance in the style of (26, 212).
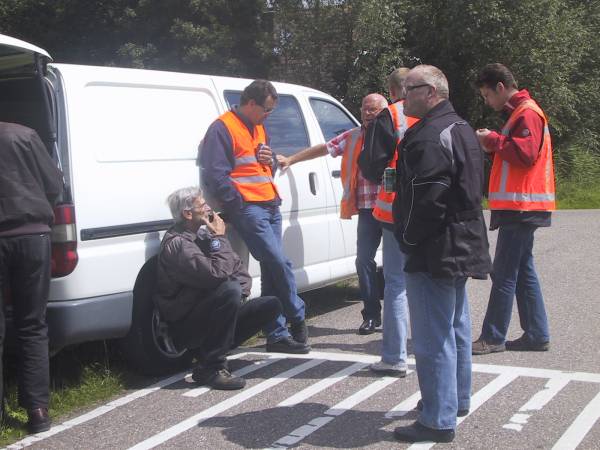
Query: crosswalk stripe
(405, 406)
(582, 424)
(196, 419)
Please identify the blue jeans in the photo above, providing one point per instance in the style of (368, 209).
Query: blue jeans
(368, 237)
(260, 228)
(514, 274)
(395, 308)
(441, 337)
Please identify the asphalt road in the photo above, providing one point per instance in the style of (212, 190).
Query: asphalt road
(330, 399)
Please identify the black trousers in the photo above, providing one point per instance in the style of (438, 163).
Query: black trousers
(220, 322)
(25, 273)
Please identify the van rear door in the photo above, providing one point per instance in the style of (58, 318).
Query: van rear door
(19, 58)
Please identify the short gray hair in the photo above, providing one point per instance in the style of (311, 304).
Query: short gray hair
(436, 78)
(397, 77)
(181, 200)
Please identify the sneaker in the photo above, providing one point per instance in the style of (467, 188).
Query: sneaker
(482, 347)
(220, 379)
(420, 433)
(398, 370)
(368, 326)
(459, 413)
(288, 345)
(524, 344)
(38, 420)
(299, 331)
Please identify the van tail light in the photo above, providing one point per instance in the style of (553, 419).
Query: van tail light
(64, 241)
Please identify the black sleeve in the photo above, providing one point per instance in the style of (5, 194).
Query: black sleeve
(428, 175)
(49, 174)
(378, 148)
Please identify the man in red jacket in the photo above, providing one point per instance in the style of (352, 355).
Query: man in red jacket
(521, 198)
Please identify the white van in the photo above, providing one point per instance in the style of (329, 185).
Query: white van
(127, 138)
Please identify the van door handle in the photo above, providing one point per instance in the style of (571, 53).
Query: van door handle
(313, 181)
(336, 173)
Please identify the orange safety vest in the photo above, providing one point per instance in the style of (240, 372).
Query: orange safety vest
(253, 180)
(383, 205)
(352, 148)
(524, 188)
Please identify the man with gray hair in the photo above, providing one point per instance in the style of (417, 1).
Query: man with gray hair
(202, 290)
(440, 227)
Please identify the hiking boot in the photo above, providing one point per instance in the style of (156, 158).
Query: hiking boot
(288, 345)
(482, 347)
(459, 413)
(220, 379)
(420, 433)
(299, 331)
(524, 344)
(38, 420)
(397, 370)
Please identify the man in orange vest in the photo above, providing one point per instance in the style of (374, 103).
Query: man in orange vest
(358, 198)
(236, 165)
(521, 198)
(379, 154)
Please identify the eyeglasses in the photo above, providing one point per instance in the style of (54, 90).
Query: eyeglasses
(410, 88)
(266, 110)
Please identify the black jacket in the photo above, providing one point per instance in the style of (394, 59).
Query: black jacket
(30, 181)
(190, 266)
(438, 216)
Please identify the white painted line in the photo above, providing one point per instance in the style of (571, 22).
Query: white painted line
(401, 409)
(340, 408)
(196, 419)
(536, 403)
(322, 385)
(97, 412)
(238, 373)
(582, 424)
(478, 399)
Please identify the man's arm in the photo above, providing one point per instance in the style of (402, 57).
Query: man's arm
(303, 155)
(216, 163)
(522, 147)
(378, 148)
(50, 177)
(428, 173)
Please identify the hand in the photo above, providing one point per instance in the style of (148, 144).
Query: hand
(217, 226)
(265, 156)
(481, 134)
(284, 162)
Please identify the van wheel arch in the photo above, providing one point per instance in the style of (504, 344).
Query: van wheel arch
(148, 346)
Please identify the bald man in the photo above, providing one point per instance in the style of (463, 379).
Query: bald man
(359, 199)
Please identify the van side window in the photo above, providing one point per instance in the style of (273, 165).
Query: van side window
(332, 119)
(285, 125)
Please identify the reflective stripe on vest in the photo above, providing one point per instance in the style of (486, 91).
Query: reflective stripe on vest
(524, 188)
(383, 205)
(352, 149)
(253, 180)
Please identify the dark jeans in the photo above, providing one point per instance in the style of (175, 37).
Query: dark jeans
(220, 322)
(368, 238)
(514, 275)
(25, 273)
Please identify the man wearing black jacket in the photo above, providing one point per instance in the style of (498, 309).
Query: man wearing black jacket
(203, 287)
(30, 183)
(440, 226)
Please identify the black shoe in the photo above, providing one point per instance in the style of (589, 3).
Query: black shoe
(420, 433)
(38, 420)
(288, 345)
(459, 413)
(299, 331)
(220, 379)
(368, 326)
(524, 344)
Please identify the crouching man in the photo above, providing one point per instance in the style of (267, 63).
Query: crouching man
(202, 290)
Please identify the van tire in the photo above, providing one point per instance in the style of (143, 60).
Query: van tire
(147, 346)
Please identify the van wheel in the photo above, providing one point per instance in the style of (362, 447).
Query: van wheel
(148, 345)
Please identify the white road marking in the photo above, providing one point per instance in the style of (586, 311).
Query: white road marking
(404, 407)
(196, 419)
(238, 373)
(580, 426)
(536, 403)
(322, 385)
(340, 408)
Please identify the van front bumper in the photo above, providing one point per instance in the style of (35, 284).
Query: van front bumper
(90, 319)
